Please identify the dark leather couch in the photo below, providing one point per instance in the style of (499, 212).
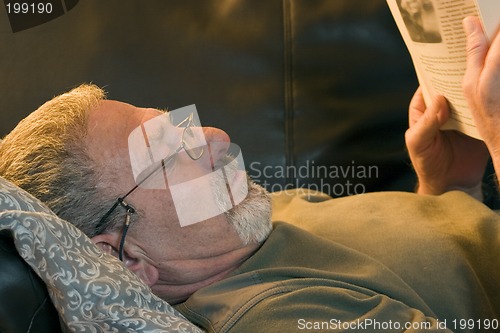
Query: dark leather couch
(300, 85)
(24, 303)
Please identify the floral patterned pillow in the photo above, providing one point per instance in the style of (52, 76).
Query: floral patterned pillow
(92, 291)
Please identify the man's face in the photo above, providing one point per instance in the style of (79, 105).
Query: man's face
(174, 260)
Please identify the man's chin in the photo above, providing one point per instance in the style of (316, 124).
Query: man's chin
(252, 217)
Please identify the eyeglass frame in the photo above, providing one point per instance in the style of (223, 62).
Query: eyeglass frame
(130, 210)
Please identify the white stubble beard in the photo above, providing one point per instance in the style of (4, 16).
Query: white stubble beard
(251, 218)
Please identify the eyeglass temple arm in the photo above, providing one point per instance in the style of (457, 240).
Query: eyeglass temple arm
(130, 210)
(119, 201)
(103, 219)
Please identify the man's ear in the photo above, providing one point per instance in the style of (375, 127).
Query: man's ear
(108, 243)
(133, 259)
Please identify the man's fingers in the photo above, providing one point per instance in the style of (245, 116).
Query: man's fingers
(423, 132)
(477, 48)
(417, 107)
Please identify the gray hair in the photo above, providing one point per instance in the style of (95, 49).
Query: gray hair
(46, 155)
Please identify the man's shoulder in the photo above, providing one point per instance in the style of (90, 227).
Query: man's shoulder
(317, 212)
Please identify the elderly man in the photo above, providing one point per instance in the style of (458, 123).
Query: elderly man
(382, 261)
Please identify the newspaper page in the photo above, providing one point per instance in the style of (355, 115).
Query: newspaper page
(433, 33)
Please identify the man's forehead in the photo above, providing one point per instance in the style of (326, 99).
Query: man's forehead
(110, 123)
(119, 114)
(113, 106)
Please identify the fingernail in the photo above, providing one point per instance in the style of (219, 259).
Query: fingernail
(469, 25)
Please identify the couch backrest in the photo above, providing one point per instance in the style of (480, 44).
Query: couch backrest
(314, 92)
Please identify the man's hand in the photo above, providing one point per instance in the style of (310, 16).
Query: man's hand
(482, 85)
(443, 160)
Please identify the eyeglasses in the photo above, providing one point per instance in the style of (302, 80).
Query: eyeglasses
(190, 144)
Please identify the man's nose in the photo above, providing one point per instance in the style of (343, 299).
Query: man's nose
(218, 143)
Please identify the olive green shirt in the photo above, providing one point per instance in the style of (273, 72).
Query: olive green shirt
(379, 262)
